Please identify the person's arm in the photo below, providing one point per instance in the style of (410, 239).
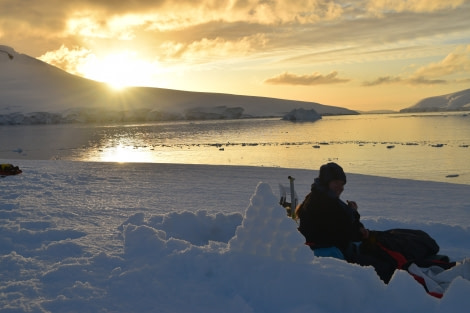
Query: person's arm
(363, 231)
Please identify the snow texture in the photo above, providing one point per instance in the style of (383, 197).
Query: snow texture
(105, 237)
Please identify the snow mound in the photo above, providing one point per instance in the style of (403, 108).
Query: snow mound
(267, 232)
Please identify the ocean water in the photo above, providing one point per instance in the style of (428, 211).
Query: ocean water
(432, 146)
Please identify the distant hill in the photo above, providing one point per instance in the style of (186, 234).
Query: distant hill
(377, 112)
(34, 92)
(457, 101)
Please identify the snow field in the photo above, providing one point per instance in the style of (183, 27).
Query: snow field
(98, 237)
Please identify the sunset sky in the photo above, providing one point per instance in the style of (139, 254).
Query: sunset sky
(358, 54)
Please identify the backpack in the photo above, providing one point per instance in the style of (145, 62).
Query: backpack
(410, 243)
(400, 248)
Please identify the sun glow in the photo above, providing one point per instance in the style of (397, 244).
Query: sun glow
(121, 70)
(123, 154)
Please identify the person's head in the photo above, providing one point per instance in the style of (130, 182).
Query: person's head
(332, 177)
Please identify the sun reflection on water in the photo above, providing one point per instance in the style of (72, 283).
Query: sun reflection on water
(122, 154)
(384, 150)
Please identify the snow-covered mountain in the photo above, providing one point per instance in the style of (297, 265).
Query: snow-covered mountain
(457, 101)
(34, 92)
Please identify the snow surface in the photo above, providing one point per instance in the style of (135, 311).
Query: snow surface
(108, 237)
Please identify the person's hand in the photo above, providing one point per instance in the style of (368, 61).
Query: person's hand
(352, 204)
(364, 232)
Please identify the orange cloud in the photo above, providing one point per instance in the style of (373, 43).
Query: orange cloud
(383, 80)
(455, 63)
(306, 80)
(380, 6)
(68, 59)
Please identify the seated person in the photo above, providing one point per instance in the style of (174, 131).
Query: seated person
(333, 228)
(325, 220)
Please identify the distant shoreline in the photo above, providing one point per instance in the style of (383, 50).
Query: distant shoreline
(120, 118)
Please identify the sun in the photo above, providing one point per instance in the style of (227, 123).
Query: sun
(120, 70)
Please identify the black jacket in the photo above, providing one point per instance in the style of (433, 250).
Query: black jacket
(327, 221)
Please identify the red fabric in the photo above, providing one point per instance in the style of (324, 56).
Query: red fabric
(397, 256)
(401, 261)
(421, 280)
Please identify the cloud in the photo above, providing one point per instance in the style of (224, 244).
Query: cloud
(455, 62)
(54, 14)
(285, 24)
(426, 81)
(204, 49)
(94, 25)
(382, 6)
(383, 80)
(68, 59)
(437, 73)
(409, 81)
(306, 80)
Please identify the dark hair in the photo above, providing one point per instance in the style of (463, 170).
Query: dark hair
(302, 207)
(331, 171)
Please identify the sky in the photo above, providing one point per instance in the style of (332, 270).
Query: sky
(359, 54)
